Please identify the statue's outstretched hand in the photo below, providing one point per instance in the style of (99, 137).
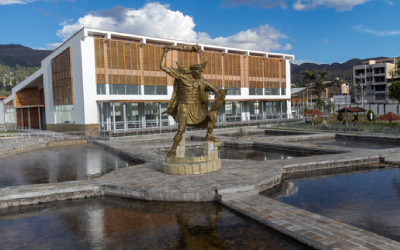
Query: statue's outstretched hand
(168, 111)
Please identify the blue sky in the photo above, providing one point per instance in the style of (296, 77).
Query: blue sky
(321, 31)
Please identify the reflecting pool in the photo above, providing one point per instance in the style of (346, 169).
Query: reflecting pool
(58, 164)
(114, 223)
(247, 154)
(368, 200)
(344, 142)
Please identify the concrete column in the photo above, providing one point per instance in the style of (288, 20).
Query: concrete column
(22, 118)
(263, 111)
(124, 115)
(143, 115)
(241, 111)
(113, 116)
(40, 120)
(159, 115)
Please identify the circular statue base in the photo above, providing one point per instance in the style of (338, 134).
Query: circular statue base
(181, 165)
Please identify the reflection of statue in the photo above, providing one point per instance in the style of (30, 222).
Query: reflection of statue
(189, 101)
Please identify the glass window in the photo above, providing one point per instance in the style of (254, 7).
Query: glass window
(134, 115)
(283, 91)
(233, 91)
(378, 97)
(11, 115)
(149, 89)
(161, 90)
(268, 91)
(164, 118)
(65, 114)
(255, 91)
(284, 107)
(101, 89)
(132, 89)
(276, 92)
(151, 114)
(104, 107)
(155, 90)
(117, 89)
(119, 115)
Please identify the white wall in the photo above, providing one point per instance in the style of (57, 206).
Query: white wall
(2, 113)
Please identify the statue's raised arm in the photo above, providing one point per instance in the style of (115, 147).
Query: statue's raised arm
(170, 70)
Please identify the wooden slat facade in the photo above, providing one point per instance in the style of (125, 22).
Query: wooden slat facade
(29, 97)
(62, 84)
(120, 61)
(34, 115)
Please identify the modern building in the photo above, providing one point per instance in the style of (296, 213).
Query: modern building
(104, 80)
(372, 80)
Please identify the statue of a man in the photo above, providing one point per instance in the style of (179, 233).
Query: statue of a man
(189, 100)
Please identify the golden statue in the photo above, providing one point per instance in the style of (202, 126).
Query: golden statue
(189, 100)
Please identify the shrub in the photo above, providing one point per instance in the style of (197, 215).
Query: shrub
(369, 116)
(241, 132)
(340, 117)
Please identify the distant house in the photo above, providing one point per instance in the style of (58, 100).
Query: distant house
(372, 80)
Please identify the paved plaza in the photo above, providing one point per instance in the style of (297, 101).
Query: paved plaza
(237, 185)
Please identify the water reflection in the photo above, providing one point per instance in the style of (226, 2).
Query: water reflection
(368, 200)
(344, 142)
(50, 165)
(113, 223)
(247, 154)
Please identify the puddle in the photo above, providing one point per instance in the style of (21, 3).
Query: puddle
(58, 164)
(114, 223)
(369, 200)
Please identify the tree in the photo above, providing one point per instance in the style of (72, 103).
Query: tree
(3, 92)
(340, 117)
(394, 91)
(330, 107)
(318, 85)
(369, 116)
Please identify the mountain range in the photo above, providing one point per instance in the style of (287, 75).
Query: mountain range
(13, 54)
(341, 70)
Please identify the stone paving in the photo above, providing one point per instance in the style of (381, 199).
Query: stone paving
(236, 185)
(312, 229)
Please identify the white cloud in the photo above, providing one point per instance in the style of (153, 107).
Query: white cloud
(299, 62)
(339, 5)
(9, 2)
(157, 20)
(377, 33)
(391, 3)
(50, 46)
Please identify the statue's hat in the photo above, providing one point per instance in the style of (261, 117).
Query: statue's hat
(183, 69)
(198, 66)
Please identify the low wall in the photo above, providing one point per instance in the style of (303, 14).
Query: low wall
(72, 127)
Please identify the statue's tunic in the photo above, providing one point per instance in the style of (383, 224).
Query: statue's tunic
(187, 103)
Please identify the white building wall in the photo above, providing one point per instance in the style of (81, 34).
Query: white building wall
(76, 62)
(87, 91)
(288, 88)
(2, 113)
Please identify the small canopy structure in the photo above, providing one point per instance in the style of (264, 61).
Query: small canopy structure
(389, 116)
(351, 110)
(313, 112)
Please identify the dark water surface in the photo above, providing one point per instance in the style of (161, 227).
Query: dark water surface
(369, 200)
(58, 164)
(114, 223)
(344, 142)
(247, 154)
